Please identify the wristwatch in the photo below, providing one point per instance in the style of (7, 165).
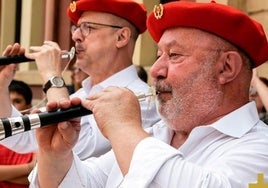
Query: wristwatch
(55, 81)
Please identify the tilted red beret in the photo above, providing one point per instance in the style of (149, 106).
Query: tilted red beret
(130, 10)
(221, 20)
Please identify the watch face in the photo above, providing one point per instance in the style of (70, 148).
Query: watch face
(57, 81)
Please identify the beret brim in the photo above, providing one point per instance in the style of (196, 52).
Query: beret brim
(133, 12)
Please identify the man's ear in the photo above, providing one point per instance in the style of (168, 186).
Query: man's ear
(123, 36)
(230, 66)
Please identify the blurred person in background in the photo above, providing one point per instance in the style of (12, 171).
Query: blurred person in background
(142, 73)
(77, 76)
(15, 167)
(21, 96)
(259, 93)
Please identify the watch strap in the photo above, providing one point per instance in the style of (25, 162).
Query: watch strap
(51, 83)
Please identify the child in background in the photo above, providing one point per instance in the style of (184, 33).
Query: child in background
(15, 167)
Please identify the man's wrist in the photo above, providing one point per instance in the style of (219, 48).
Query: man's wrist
(54, 82)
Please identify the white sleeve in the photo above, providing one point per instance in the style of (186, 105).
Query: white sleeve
(90, 173)
(14, 112)
(76, 176)
(21, 143)
(144, 162)
(157, 164)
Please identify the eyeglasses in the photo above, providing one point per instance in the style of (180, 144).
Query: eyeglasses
(85, 27)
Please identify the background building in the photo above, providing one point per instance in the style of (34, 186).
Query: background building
(30, 22)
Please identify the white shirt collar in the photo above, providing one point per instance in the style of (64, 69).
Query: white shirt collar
(235, 124)
(238, 122)
(120, 79)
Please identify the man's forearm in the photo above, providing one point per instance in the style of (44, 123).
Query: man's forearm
(52, 170)
(124, 150)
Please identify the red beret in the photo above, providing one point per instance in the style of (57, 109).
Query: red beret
(134, 12)
(221, 20)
